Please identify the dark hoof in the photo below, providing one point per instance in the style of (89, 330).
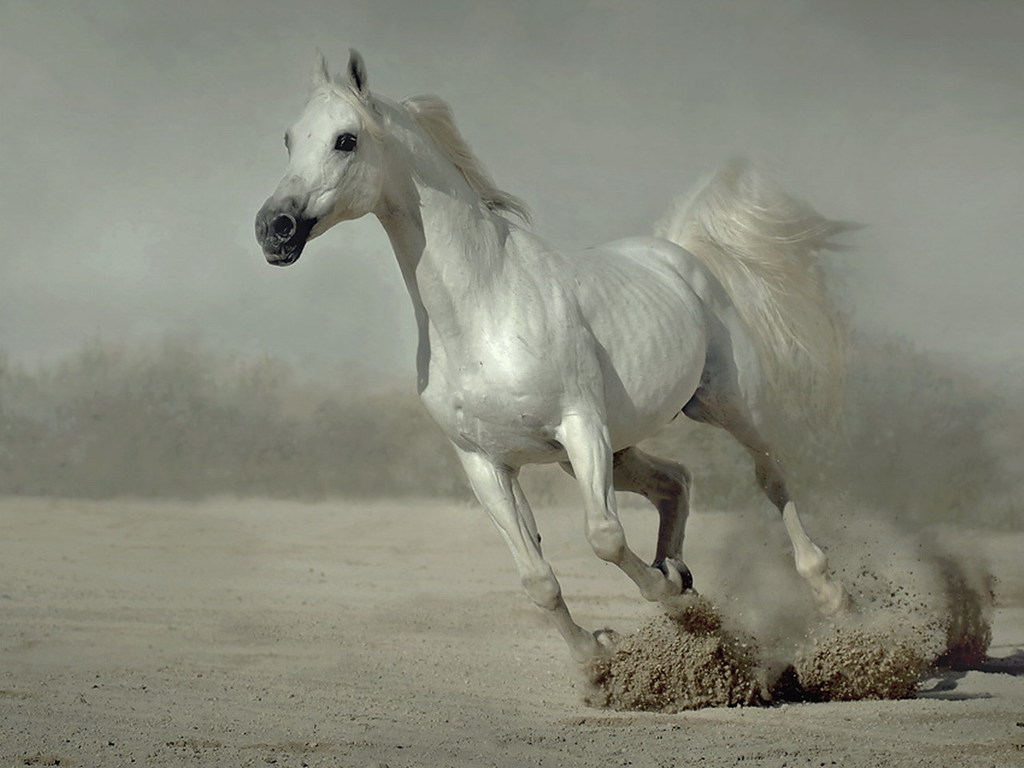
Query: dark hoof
(684, 572)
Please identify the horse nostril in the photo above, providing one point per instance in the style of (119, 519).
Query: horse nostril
(283, 226)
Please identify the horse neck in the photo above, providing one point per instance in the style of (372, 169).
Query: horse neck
(449, 245)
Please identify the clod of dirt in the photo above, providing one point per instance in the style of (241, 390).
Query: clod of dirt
(679, 662)
(854, 664)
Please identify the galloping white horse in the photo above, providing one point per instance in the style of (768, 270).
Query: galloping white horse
(530, 355)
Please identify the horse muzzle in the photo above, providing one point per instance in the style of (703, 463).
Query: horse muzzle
(282, 231)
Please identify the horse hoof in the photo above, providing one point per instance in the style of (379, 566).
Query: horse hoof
(834, 601)
(607, 639)
(677, 573)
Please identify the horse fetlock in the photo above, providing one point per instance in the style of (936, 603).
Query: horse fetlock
(832, 599)
(543, 590)
(811, 562)
(667, 582)
(587, 646)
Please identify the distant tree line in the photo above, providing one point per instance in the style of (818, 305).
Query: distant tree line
(920, 439)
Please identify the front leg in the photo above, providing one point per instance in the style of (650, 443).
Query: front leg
(497, 488)
(586, 442)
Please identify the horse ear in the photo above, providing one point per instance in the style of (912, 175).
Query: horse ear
(357, 72)
(318, 73)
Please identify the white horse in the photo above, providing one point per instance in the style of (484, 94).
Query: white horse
(529, 355)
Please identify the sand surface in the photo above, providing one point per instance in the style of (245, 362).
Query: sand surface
(236, 633)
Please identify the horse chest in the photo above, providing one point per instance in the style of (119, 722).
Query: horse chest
(500, 418)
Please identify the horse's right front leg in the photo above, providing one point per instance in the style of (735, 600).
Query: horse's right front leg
(498, 490)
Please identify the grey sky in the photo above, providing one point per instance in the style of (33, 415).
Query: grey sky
(139, 137)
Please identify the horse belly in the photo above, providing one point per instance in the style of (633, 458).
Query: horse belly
(644, 399)
(654, 356)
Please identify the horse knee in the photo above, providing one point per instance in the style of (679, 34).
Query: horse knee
(607, 539)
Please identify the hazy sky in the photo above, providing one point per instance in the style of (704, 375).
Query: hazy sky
(139, 137)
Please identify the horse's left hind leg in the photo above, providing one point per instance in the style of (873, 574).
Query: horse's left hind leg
(666, 484)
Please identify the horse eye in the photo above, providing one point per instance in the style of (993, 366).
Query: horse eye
(287, 142)
(346, 142)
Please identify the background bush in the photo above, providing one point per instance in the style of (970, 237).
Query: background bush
(922, 439)
(176, 420)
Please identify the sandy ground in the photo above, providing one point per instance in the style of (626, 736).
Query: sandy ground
(236, 633)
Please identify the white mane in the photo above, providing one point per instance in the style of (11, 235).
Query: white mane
(434, 116)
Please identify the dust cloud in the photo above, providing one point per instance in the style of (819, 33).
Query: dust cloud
(920, 602)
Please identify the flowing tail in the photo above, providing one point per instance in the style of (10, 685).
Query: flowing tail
(763, 246)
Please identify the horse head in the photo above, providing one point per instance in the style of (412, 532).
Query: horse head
(334, 164)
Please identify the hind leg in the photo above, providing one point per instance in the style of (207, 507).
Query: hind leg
(731, 414)
(666, 484)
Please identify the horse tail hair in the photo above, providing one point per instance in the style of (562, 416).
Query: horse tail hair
(763, 246)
